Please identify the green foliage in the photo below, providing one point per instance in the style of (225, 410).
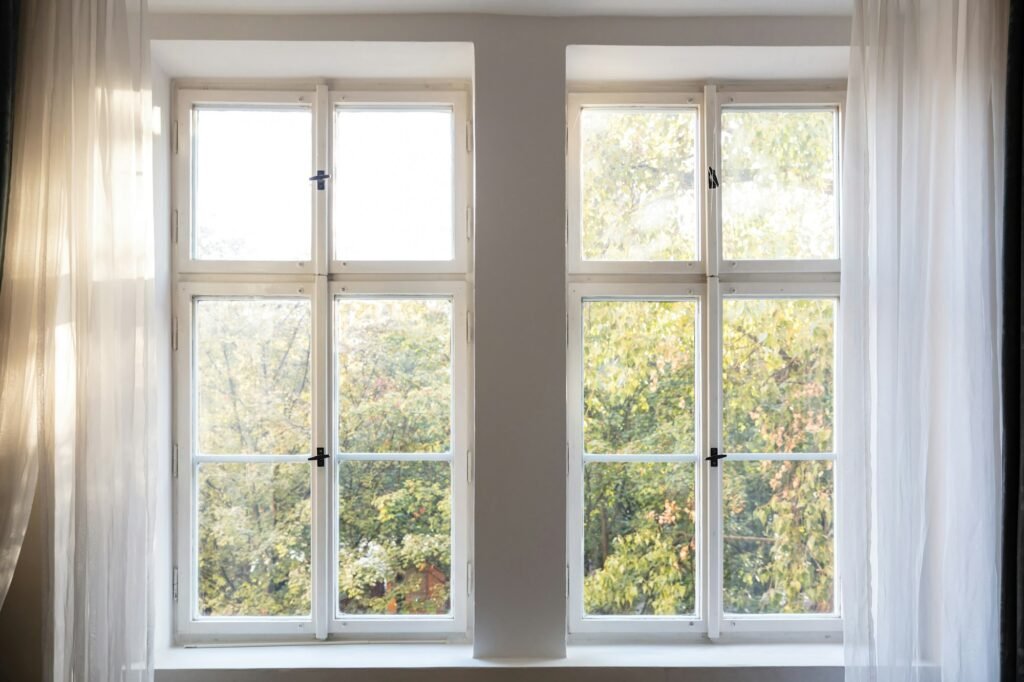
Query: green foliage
(395, 530)
(638, 377)
(394, 517)
(254, 539)
(639, 542)
(639, 185)
(778, 184)
(394, 375)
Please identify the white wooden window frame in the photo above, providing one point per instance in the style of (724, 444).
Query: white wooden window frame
(319, 280)
(710, 280)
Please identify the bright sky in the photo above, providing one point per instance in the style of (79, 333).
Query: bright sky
(392, 181)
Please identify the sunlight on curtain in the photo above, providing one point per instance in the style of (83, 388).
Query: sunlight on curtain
(921, 472)
(76, 319)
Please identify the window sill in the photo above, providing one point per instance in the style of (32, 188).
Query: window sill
(334, 655)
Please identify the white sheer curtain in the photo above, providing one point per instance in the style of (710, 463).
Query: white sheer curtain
(921, 462)
(76, 319)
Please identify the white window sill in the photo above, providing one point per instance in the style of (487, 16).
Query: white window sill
(340, 655)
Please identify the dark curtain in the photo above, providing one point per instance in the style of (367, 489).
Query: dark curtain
(8, 57)
(1012, 598)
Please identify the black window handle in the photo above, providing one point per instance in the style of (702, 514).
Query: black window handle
(714, 457)
(320, 456)
(320, 177)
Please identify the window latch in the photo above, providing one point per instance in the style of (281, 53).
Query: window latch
(320, 456)
(320, 178)
(714, 457)
(712, 178)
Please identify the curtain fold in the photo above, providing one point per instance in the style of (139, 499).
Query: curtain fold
(921, 468)
(9, 15)
(76, 322)
(15, 472)
(1012, 592)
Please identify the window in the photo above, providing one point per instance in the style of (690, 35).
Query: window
(322, 352)
(703, 271)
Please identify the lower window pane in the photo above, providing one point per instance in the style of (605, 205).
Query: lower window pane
(778, 540)
(254, 539)
(638, 549)
(394, 538)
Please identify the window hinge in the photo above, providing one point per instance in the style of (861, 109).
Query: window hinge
(469, 466)
(174, 460)
(174, 137)
(567, 330)
(469, 327)
(469, 224)
(174, 226)
(174, 333)
(174, 583)
(469, 578)
(567, 581)
(566, 140)
(567, 227)
(469, 136)
(567, 459)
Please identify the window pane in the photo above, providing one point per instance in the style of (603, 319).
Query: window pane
(252, 364)
(639, 377)
(394, 374)
(777, 375)
(254, 539)
(639, 545)
(251, 171)
(639, 180)
(778, 184)
(778, 537)
(393, 184)
(394, 542)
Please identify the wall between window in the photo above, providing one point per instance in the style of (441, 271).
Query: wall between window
(520, 277)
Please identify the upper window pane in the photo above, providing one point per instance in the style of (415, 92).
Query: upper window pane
(393, 184)
(778, 183)
(394, 374)
(252, 360)
(252, 196)
(639, 180)
(778, 358)
(639, 377)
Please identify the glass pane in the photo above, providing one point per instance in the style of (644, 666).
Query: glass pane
(394, 374)
(639, 182)
(252, 375)
(638, 541)
(778, 184)
(778, 538)
(254, 539)
(393, 184)
(778, 382)
(253, 197)
(394, 538)
(639, 377)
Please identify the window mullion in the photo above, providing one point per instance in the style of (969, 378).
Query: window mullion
(712, 476)
(711, 208)
(712, 385)
(322, 161)
(322, 476)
